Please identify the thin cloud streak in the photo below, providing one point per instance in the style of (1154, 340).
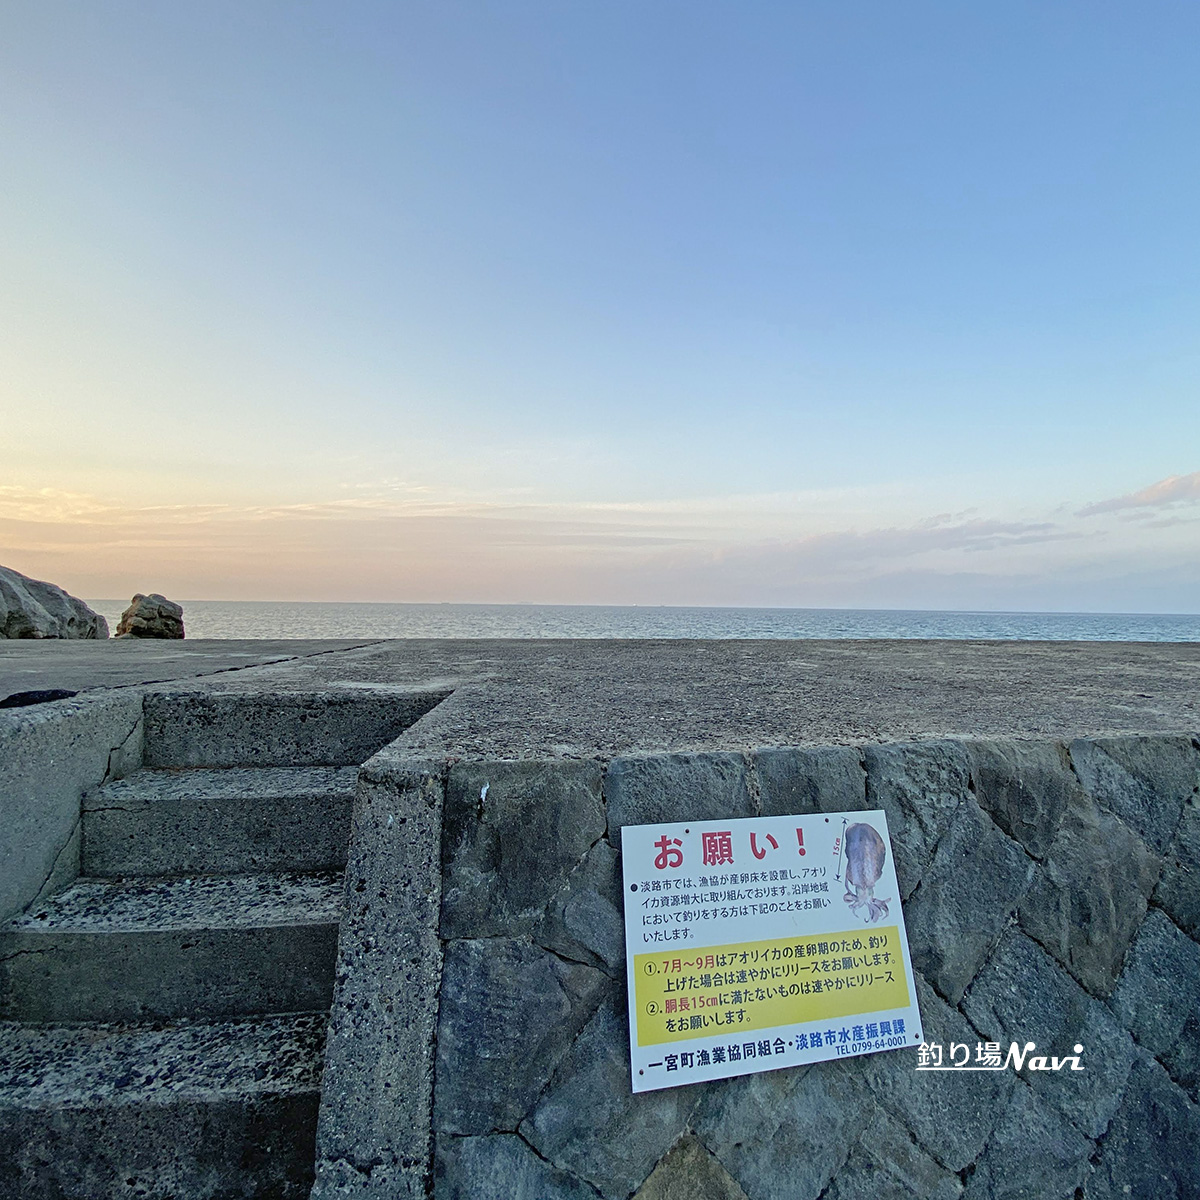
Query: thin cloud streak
(429, 548)
(1175, 489)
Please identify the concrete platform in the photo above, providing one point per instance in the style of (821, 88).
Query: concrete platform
(1042, 800)
(523, 698)
(120, 662)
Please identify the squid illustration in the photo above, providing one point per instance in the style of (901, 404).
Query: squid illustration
(865, 852)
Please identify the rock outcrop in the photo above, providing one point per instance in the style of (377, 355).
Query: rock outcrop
(30, 608)
(151, 616)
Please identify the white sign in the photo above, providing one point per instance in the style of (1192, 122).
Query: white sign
(763, 943)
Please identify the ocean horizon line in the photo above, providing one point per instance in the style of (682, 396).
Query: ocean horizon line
(284, 619)
(865, 608)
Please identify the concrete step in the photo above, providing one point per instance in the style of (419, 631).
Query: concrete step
(186, 1111)
(140, 949)
(341, 727)
(224, 821)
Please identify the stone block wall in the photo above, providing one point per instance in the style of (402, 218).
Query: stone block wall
(1051, 893)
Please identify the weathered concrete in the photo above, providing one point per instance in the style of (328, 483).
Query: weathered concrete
(145, 949)
(234, 820)
(375, 1131)
(201, 919)
(191, 1109)
(336, 727)
(88, 665)
(49, 755)
(529, 698)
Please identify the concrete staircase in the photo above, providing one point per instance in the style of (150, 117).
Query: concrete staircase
(162, 1020)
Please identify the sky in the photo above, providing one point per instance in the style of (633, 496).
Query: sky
(794, 304)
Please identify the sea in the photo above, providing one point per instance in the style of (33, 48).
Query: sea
(286, 619)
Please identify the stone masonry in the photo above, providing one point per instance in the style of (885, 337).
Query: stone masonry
(1052, 893)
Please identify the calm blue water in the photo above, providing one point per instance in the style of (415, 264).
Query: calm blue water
(272, 619)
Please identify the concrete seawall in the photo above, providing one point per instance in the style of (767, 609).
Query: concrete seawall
(1045, 817)
(1052, 893)
(49, 755)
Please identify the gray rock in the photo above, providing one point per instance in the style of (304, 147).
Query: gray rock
(513, 833)
(500, 1167)
(822, 779)
(675, 787)
(1158, 998)
(919, 786)
(1034, 1154)
(1144, 780)
(1150, 1150)
(888, 1165)
(974, 884)
(31, 608)
(1178, 888)
(689, 1172)
(1089, 896)
(585, 921)
(151, 616)
(1025, 787)
(784, 1134)
(950, 1113)
(1022, 995)
(736, 1111)
(509, 1011)
(337, 1179)
(591, 1124)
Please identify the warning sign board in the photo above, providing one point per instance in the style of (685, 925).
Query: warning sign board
(763, 943)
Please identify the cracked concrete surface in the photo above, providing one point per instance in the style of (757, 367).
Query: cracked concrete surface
(599, 699)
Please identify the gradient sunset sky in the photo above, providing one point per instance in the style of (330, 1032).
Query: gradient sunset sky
(832, 304)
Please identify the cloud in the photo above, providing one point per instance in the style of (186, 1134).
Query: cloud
(420, 547)
(1175, 489)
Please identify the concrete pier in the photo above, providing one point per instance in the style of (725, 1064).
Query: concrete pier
(1045, 816)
